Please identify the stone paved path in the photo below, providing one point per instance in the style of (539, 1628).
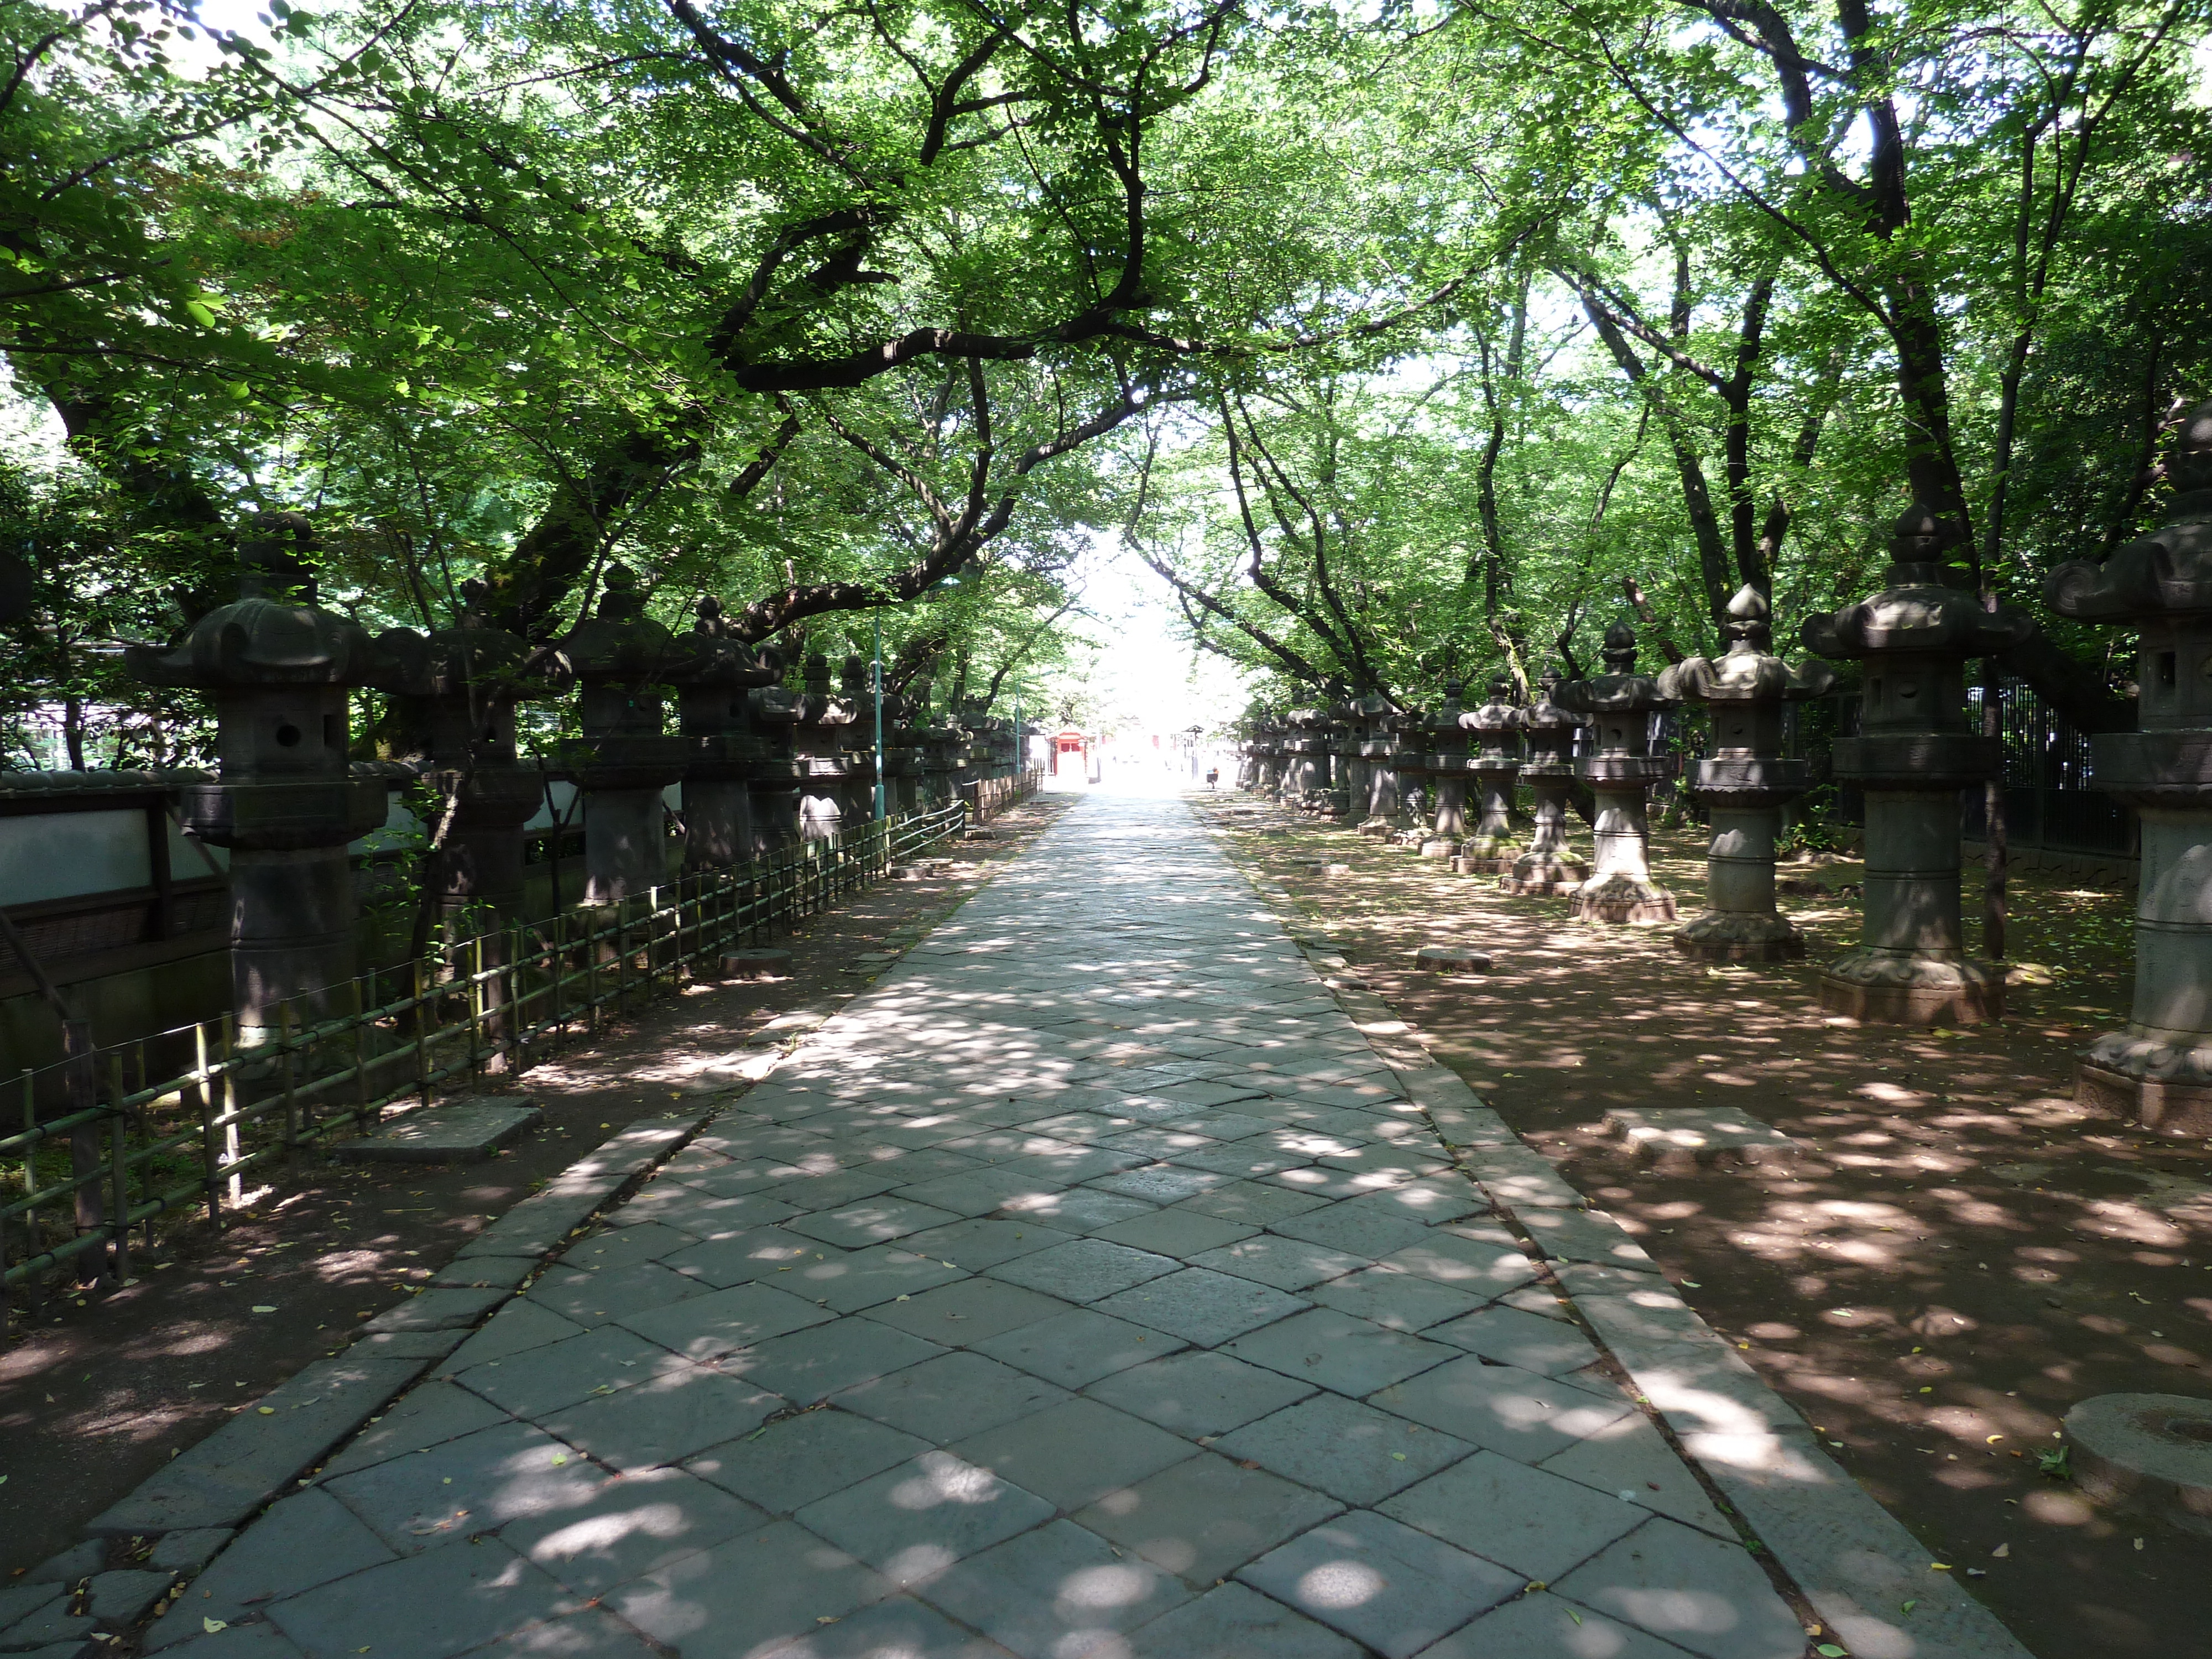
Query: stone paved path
(1088, 1290)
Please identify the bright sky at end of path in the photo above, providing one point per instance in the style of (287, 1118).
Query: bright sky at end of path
(1147, 675)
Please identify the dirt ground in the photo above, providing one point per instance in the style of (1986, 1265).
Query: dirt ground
(103, 1388)
(1961, 1253)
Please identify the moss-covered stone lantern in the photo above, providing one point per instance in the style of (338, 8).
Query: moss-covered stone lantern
(1913, 754)
(1446, 739)
(1744, 783)
(726, 748)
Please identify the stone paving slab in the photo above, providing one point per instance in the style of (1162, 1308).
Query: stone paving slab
(453, 1132)
(1106, 1289)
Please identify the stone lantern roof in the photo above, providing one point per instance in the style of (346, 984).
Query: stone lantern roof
(1919, 613)
(621, 644)
(1748, 671)
(2167, 572)
(1495, 726)
(1551, 724)
(1618, 695)
(274, 634)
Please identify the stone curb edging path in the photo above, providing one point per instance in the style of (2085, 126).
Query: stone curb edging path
(1090, 1286)
(1855, 1562)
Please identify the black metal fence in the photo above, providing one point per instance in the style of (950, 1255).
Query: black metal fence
(117, 1137)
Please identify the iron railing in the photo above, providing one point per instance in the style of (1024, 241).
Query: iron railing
(175, 1121)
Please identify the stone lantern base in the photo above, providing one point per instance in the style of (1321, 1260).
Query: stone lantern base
(1732, 936)
(1622, 898)
(1901, 988)
(1489, 855)
(1543, 875)
(2157, 1084)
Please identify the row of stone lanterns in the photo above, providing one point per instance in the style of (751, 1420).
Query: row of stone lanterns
(762, 767)
(1913, 754)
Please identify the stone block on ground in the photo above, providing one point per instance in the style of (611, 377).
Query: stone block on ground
(755, 964)
(451, 1132)
(119, 1600)
(1683, 1138)
(1452, 959)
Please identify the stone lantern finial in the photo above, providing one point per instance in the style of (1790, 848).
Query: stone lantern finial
(2158, 1069)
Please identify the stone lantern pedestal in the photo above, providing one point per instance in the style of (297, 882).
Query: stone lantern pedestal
(278, 668)
(1549, 866)
(1620, 772)
(1744, 783)
(626, 759)
(1913, 754)
(1496, 765)
(725, 750)
(2159, 1070)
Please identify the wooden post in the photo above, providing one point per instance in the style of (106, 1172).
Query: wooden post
(118, 1147)
(230, 1135)
(81, 1084)
(210, 1159)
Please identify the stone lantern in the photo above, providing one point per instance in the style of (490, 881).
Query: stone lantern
(941, 745)
(278, 667)
(1380, 749)
(625, 759)
(1549, 866)
(1449, 764)
(726, 749)
(1348, 771)
(1496, 729)
(1275, 756)
(824, 766)
(1621, 769)
(903, 720)
(1416, 791)
(1744, 783)
(1305, 751)
(2159, 1070)
(857, 689)
(1913, 754)
(456, 689)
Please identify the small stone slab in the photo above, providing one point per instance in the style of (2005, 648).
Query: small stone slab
(763, 964)
(1452, 959)
(455, 1132)
(1690, 1136)
(1327, 869)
